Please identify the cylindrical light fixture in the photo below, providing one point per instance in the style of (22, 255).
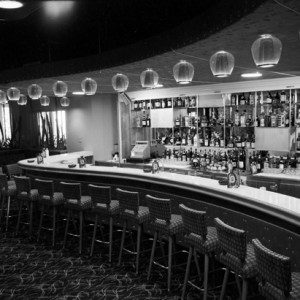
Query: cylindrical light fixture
(34, 91)
(3, 98)
(183, 72)
(89, 86)
(266, 51)
(120, 82)
(13, 94)
(64, 101)
(22, 100)
(149, 79)
(45, 101)
(60, 89)
(222, 64)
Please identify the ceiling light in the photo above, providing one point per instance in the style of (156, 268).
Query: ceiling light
(266, 51)
(222, 64)
(34, 91)
(3, 98)
(149, 79)
(183, 72)
(10, 4)
(60, 89)
(45, 101)
(120, 83)
(13, 94)
(78, 93)
(89, 86)
(64, 101)
(251, 75)
(55, 9)
(22, 100)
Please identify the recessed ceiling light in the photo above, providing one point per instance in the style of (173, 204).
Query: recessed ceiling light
(251, 75)
(78, 93)
(10, 4)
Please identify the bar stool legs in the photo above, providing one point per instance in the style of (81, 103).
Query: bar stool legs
(7, 212)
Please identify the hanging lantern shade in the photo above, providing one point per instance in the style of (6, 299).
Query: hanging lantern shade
(89, 86)
(3, 98)
(22, 100)
(120, 83)
(64, 101)
(222, 64)
(60, 89)
(34, 91)
(149, 79)
(183, 72)
(13, 94)
(266, 51)
(45, 101)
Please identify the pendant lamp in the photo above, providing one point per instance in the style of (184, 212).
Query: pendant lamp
(60, 89)
(120, 83)
(34, 91)
(13, 94)
(64, 101)
(149, 79)
(22, 100)
(183, 72)
(266, 51)
(3, 99)
(89, 86)
(221, 64)
(45, 101)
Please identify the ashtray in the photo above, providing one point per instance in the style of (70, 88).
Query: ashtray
(72, 165)
(223, 181)
(30, 160)
(147, 169)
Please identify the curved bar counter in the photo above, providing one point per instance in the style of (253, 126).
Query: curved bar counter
(271, 217)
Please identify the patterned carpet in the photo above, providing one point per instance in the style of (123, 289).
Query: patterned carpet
(31, 270)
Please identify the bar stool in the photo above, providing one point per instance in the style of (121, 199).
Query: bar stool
(236, 255)
(50, 199)
(276, 280)
(200, 238)
(75, 202)
(25, 194)
(166, 224)
(131, 213)
(105, 207)
(7, 191)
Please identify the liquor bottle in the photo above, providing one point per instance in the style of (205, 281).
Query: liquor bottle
(148, 121)
(298, 142)
(195, 140)
(204, 122)
(282, 97)
(233, 99)
(179, 102)
(259, 163)
(186, 102)
(231, 178)
(243, 118)
(163, 103)
(201, 140)
(158, 103)
(262, 120)
(241, 163)
(230, 142)
(249, 120)
(140, 105)
(135, 105)
(268, 99)
(169, 102)
(177, 121)
(148, 104)
(234, 160)
(237, 118)
(273, 119)
(213, 117)
(251, 99)
(242, 99)
(206, 141)
(144, 120)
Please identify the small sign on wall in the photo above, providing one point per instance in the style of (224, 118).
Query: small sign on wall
(161, 118)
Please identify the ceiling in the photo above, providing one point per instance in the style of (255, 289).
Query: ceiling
(193, 33)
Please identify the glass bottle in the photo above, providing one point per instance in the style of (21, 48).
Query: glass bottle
(243, 119)
(237, 118)
(298, 142)
(169, 102)
(148, 121)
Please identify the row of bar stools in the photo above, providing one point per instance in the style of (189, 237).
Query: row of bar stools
(49, 199)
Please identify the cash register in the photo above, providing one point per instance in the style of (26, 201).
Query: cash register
(141, 151)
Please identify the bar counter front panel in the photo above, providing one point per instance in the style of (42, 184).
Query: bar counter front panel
(271, 217)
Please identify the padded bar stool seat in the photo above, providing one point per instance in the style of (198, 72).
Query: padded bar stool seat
(200, 238)
(104, 207)
(7, 191)
(51, 199)
(236, 255)
(165, 224)
(132, 213)
(276, 280)
(75, 202)
(25, 194)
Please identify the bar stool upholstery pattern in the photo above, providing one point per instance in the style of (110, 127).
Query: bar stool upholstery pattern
(7, 191)
(166, 224)
(75, 201)
(105, 207)
(276, 281)
(132, 211)
(25, 194)
(236, 255)
(200, 238)
(49, 198)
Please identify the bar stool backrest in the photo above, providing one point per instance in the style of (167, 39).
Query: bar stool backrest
(159, 208)
(71, 190)
(12, 170)
(232, 240)
(194, 221)
(45, 187)
(273, 267)
(100, 194)
(128, 200)
(3, 183)
(23, 184)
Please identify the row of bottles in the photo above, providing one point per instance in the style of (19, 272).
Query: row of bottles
(179, 102)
